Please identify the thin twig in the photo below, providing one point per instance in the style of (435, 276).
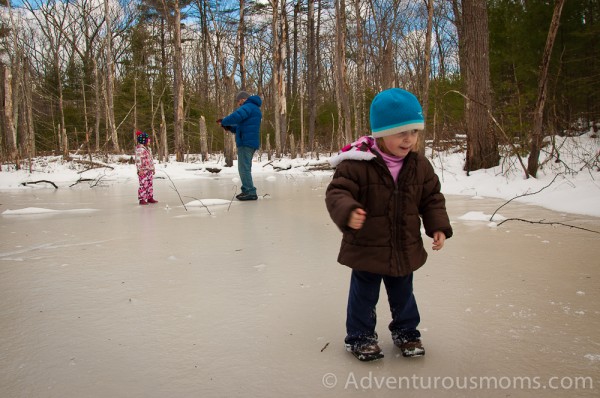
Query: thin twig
(526, 194)
(548, 223)
(175, 188)
(230, 202)
(98, 180)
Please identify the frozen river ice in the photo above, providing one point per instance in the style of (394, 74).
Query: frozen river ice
(120, 300)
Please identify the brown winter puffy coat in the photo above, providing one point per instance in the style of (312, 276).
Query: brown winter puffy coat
(390, 241)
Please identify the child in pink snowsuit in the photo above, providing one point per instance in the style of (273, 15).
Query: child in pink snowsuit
(145, 169)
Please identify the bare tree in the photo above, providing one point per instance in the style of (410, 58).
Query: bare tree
(110, 79)
(311, 72)
(361, 86)
(341, 86)
(426, 72)
(386, 18)
(87, 19)
(9, 138)
(52, 19)
(178, 83)
(279, 55)
(538, 115)
(482, 145)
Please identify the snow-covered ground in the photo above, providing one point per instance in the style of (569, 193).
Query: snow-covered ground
(101, 297)
(567, 185)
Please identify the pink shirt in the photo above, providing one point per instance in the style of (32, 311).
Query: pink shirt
(394, 163)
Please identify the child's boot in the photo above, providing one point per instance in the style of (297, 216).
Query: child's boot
(409, 343)
(152, 200)
(365, 351)
(143, 202)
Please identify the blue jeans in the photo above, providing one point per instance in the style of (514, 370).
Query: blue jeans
(364, 294)
(245, 154)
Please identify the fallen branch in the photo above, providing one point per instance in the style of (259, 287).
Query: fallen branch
(174, 187)
(81, 180)
(526, 194)
(40, 181)
(549, 223)
(95, 180)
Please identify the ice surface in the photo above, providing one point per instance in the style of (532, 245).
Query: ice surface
(247, 300)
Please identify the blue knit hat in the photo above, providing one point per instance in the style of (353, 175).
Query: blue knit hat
(142, 137)
(395, 110)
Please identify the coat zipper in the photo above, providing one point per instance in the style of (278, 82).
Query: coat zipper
(395, 260)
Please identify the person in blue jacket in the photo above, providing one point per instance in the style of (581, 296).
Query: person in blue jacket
(244, 122)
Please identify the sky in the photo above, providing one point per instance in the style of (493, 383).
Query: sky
(568, 185)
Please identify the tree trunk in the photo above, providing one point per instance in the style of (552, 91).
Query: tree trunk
(178, 84)
(202, 6)
(302, 143)
(360, 112)
(426, 73)
(297, 10)
(538, 115)
(28, 111)
(293, 152)
(278, 77)
(311, 71)
(203, 139)
(343, 101)
(110, 81)
(164, 144)
(242, 41)
(97, 91)
(458, 21)
(482, 145)
(10, 134)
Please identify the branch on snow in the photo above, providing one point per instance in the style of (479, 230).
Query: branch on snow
(38, 182)
(549, 223)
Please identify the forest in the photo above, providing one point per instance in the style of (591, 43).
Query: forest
(493, 76)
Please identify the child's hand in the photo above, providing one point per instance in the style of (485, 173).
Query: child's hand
(357, 218)
(438, 240)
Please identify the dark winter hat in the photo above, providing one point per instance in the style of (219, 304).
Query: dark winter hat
(241, 95)
(142, 138)
(395, 110)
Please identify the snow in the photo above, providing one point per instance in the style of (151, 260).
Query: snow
(568, 185)
(38, 210)
(480, 216)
